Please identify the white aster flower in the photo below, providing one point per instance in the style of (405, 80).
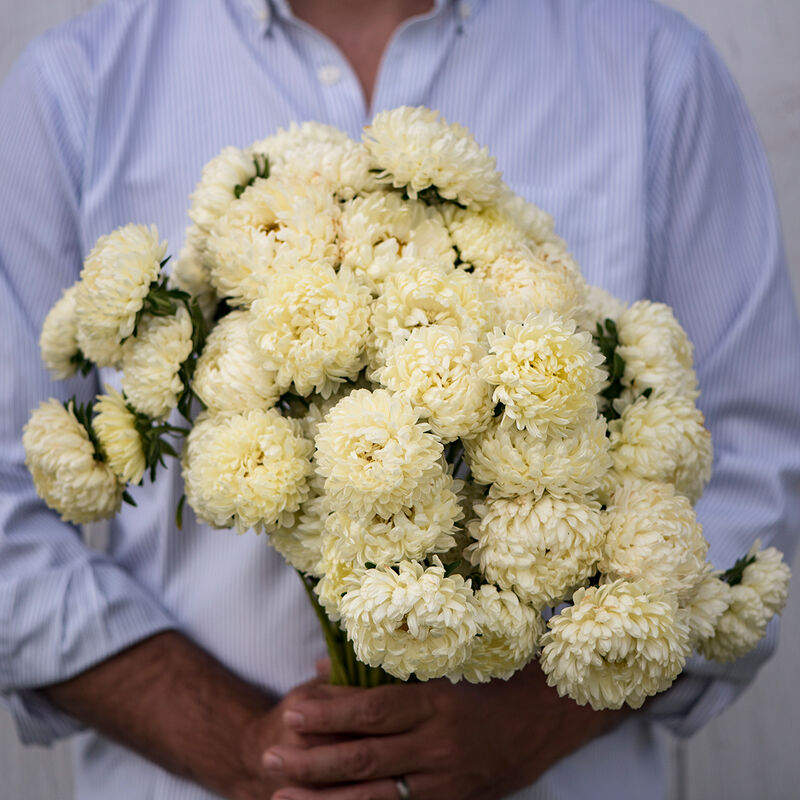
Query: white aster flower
(191, 274)
(525, 284)
(337, 577)
(654, 536)
(619, 643)
(703, 610)
(375, 455)
(217, 187)
(740, 628)
(151, 362)
(246, 470)
(300, 542)
(539, 548)
(656, 350)
(276, 224)
(378, 229)
(545, 373)
(768, 576)
(415, 531)
(67, 472)
(422, 294)
(309, 411)
(229, 375)
(483, 235)
(316, 151)
(661, 438)
(311, 327)
(58, 342)
(411, 620)
(115, 280)
(509, 637)
(516, 462)
(416, 149)
(115, 426)
(437, 370)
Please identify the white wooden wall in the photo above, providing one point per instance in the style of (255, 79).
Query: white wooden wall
(750, 751)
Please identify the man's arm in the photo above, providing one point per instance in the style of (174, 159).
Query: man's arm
(172, 703)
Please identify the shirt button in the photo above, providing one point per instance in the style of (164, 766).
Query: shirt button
(464, 10)
(329, 74)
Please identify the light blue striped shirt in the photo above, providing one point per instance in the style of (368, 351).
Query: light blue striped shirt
(614, 115)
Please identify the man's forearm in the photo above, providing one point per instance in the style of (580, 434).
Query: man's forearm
(174, 704)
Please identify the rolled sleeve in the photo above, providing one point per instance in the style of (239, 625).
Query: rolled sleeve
(63, 607)
(716, 256)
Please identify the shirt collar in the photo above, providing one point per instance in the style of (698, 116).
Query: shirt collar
(264, 11)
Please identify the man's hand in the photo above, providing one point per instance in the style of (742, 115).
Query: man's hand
(174, 704)
(447, 741)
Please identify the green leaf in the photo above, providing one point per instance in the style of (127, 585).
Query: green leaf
(179, 512)
(734, 575)
(128, 499)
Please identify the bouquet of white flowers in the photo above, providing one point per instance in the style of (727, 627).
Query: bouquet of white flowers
(472, 457)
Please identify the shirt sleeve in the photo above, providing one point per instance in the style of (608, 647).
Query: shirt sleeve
(63, 607)
(716, 257)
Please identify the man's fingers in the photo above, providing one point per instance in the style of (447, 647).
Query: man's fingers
(385, 709)
(352, 761)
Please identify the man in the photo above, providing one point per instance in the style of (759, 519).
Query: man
(614, 115)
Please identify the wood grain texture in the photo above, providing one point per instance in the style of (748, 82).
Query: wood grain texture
(751, 750)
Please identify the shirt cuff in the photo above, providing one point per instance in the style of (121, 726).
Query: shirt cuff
(98, 611)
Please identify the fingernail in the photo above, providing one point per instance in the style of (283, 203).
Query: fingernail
(294, 719)
(273, 762)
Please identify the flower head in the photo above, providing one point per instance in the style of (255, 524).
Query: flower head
(250, 470)
(619, 643)
(115, 280)
(115, 425)
(58, 341)
(417, 150)
(66, 469)
(374, 453)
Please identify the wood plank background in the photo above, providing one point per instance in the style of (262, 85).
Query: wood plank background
(751, 750)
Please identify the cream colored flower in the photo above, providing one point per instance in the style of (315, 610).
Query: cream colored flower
(311, 327)
(411, 620)
(656, 350)
(191, 275)
(151, 363)
(375, 455)
(524, 284)
(422, 294)
(654, 536)
(542, 549)
(483, 235)
(316, 151)
(437, 370)
(378, 229)
(337, 577)
(412, 533)
(661, 438)
(230, 376)
(313, 409)
(516, 462)
(276, 224)
(67, 473)
(246, 470)
(300, 542)
(58, 341)
(703, 610)
(619, 643)
(769, 577)
(115, 279)
(218, 184)
(416, 149)
(115, 426)
(545, 373)
(509, 637)
(740, 628)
